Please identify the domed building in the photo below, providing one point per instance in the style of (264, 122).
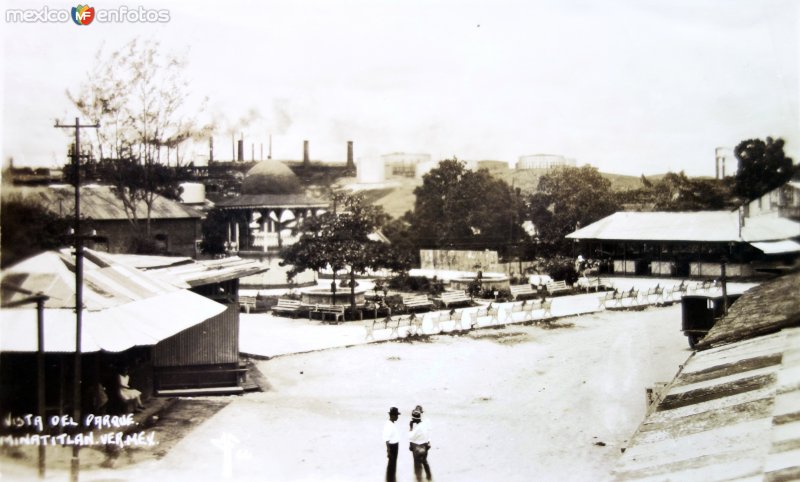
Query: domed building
(271, 202)
(271, 177)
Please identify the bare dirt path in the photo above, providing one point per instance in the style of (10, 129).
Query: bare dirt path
(523, 403)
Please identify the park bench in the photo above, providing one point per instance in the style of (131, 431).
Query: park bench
(285, 305)
(631, 294)
(248, 302)
(394, 324)
(514, 308)
(679, 289)
(412, 302)
(335, 311)
(525, 290)
(557, 287)
(596, 283)
(545, 306)
(448, 298)
(656, 292)
(481, 312)
(452, 315)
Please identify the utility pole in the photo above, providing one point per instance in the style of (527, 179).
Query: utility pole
(76, 383)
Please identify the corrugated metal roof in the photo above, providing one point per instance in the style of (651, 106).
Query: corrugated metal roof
(731, 414)
(123, 307)
(703, 226)
(192, 272)
(99, 203)
(271, 201)
(733, 411)
(778, 247)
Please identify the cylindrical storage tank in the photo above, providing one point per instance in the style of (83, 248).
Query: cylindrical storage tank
(543, 161)
(371, 170)
(193, 193)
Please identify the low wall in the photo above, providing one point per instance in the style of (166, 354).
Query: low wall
(464, 260)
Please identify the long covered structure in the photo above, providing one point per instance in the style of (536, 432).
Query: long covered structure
(690, 243)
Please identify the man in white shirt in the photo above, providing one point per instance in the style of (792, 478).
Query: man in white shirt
(420, 444)
(392, 438)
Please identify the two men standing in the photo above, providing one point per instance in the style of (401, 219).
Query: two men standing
(419, 443)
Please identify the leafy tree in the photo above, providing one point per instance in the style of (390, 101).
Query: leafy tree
(678, 192)
(340, 239)
(457, 207)
(763, 166)
(214, 232)
(138, 96)
(28, 228)
(568, 198)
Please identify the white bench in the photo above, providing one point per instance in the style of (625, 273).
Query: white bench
(286, 305)
(394, 324)
(631, 294)
(448, 298)
(655, 293)
(557, 286)
(522, 290)
(453, 315)
(596, 283)
(247, 302)
(412, 302)
(336, 312)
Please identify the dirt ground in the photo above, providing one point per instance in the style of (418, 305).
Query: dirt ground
(516, 404)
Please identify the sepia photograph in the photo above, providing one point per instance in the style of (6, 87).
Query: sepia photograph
(400, 241)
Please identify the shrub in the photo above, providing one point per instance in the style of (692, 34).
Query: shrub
(561, 268)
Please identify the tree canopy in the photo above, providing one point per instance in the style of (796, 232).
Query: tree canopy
(138, 96)
(763, 166)
(678, 192)
(457, 207)
(568, 198)
(339, 239)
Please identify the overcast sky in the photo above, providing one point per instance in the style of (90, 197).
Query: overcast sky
(629, 86)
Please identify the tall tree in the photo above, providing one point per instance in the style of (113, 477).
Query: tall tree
(568, 198)
(457, 207)
(340, 239)
(139, 96)
(763, 166)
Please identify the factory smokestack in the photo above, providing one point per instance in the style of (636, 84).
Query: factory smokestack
(269, 156)
(350, 164)
(306, 160)
(240, 150)
(210, 150)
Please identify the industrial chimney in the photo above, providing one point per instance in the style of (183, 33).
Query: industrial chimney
(240, 150)
(210, 150)
(306, 160)
(350, 164)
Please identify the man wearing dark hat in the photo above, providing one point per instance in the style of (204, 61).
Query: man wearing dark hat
(420, 444)
(392, 438)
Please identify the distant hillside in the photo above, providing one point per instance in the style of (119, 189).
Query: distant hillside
(400, 199)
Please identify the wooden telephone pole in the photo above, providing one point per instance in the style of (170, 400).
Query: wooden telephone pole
(76, 385)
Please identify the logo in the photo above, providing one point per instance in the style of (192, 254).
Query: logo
(82, 14)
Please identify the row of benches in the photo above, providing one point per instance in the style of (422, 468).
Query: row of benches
(492, 312)
(411, 303)
(654, 295)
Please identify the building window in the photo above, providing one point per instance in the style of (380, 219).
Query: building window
(162, 242)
